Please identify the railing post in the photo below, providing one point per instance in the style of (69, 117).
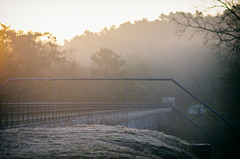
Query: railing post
(0, 115)
(127, 105)
(7, 117)
(54, 101)
(23, 114)
(127, 92)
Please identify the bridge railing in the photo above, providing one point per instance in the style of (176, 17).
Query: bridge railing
(123, 85)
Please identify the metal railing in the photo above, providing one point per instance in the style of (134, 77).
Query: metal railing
(126, 81)
(17, 114)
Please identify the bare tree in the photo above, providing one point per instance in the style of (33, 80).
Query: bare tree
(222, 36)
(222, 32)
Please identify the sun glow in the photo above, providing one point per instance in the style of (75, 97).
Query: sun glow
(68, 18)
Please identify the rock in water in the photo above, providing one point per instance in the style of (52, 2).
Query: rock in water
(91, 141)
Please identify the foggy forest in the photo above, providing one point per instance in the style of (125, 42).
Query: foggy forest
(201, 52)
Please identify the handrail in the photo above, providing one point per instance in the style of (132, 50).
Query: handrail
(54, 79)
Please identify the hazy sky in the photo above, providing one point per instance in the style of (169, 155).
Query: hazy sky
(67, 18)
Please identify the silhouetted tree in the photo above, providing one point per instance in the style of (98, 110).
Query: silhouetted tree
(24, 54)
(222, 35)
(222, 32)
(106, 62)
